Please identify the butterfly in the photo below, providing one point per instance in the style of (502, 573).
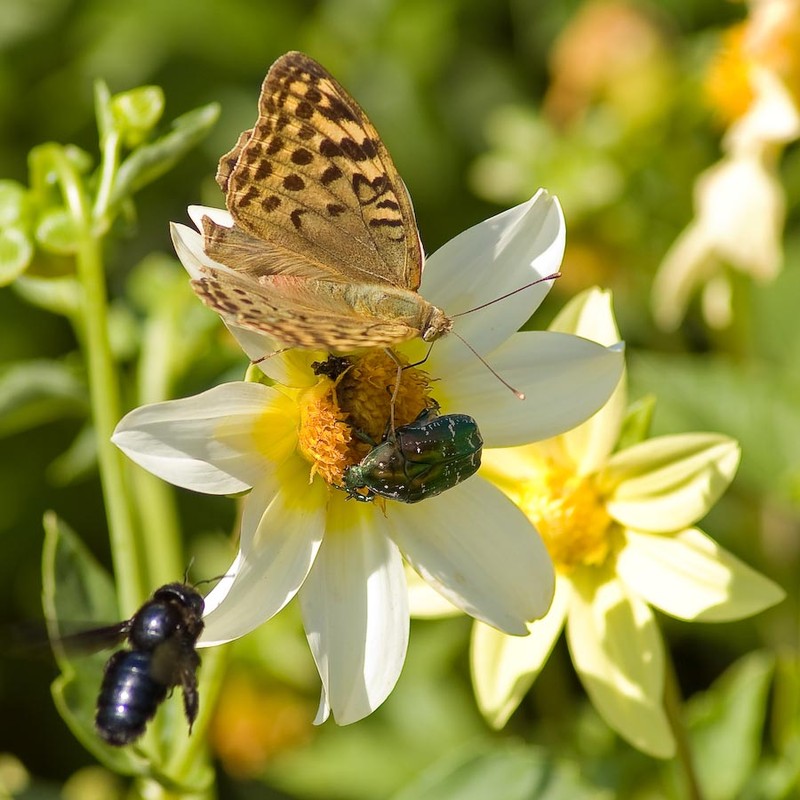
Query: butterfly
(324, 252)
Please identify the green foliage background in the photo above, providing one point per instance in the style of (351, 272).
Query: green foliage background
(455, 87)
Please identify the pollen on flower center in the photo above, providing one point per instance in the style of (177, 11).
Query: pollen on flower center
(348, 410)
(569, 515)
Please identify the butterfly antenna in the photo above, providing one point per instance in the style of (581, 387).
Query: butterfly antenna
(508, 294)
(519, 395)
(211, 580)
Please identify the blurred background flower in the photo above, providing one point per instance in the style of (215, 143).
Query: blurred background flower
(740, 205)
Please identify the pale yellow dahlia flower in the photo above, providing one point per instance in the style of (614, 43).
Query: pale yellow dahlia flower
(619, 527)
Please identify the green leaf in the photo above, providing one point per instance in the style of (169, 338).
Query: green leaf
(786, 701)
(636, 425)
(758, 404)
(43, 167)
(57, 295)
(76, 588)
(726, 725)
(57, 232)
(77, 462)
(152, 160)
(16, 252)
(35, 392)
(136, 113)
(102, 108)
(13, 203)
(510, 773)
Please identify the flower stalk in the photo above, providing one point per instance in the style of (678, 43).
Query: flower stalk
(103, 387)
(673, 707)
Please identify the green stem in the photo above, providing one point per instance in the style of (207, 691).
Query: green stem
(103, 390)
(108, 169)
(160, 528)
(673, 706)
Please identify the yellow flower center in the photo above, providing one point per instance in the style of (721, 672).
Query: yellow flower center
(570, 516)
(349, 409)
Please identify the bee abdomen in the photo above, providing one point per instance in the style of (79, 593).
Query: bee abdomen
(128, 697)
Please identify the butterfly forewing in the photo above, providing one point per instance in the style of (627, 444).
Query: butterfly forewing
(324, 251)
(313, 179)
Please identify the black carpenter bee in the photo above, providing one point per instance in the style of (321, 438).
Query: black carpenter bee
(161, 637)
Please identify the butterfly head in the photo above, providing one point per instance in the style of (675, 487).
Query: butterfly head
(436, 325)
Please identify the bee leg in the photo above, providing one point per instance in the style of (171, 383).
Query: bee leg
(191, 699)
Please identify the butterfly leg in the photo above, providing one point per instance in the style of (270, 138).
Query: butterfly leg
(396, 389)
(421, 361)
(266, 356)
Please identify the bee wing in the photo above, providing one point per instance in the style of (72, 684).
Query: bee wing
(92, 640)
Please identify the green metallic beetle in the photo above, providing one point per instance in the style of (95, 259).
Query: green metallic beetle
(422, 459)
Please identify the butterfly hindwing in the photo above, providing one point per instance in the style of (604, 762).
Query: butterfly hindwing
(279, 307)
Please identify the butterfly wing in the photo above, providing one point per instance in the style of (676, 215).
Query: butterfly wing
(313, 180)
(297, 312)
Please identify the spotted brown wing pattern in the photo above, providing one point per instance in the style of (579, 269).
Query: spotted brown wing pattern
(322, 224)
(300, 313)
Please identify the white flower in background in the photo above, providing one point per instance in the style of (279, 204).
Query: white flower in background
(619, 528)
(740, 205)
(288, 443)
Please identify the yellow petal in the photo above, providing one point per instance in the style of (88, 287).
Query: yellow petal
(591, 315)
(691, 577)
(504, 667)
(668, 483)
(618, 654)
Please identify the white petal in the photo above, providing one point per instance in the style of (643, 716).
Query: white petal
(773, 116)
(323, 710)
(741, 207)
(219, 215)
(504, 667)
(188, 246)
(288, 367)
(565, 380)
(691, 577)
(355, 612)
(670, 482)
(424, 602)
(487, 261)
(618, 654)
(255, 345)
(205, 442)
(475, 547)
(280, 539)
(688, 263)
(591, 316)
(716, 300)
